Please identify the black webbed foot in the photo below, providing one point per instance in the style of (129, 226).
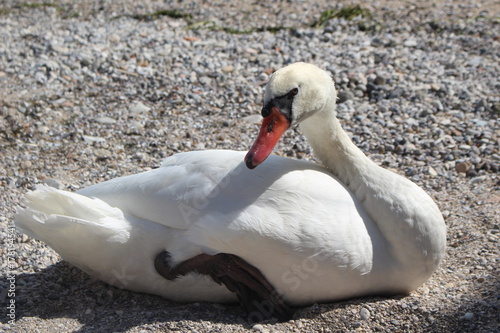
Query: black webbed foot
(257, 296)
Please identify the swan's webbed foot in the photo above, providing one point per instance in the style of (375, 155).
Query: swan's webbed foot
(257, 296)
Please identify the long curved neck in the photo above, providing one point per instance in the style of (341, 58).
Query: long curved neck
(406, 216)
(334, 148)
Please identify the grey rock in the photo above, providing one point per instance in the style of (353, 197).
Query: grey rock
(92, 139)
(53, 183)
(410, 43)
(344, 96)
(380, 80)
(139, 107)
(105, 120)
(364, 313)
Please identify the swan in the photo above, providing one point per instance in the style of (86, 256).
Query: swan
(273, 232)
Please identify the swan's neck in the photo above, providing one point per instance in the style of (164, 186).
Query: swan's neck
(334, 148)
(408, 219)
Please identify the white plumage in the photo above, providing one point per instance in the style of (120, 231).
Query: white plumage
(317, 234)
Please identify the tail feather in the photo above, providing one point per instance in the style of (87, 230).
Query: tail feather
(52, 201)
(73, 225)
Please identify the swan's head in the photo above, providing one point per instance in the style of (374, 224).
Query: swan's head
(293, 94)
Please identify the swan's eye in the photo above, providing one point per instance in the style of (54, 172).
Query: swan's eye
(293, 92)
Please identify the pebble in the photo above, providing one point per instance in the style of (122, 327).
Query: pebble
(105, 120)
(92, 139)
(253, 119)
(53, 296)
(432, 172)
(410, 43)
(364, 313)
(344, 96)
(259, 328)
(102, 153)
(462, 167)
(380, 80)
(468, 316)
(26, 164)
(139, 107)
(53, 183)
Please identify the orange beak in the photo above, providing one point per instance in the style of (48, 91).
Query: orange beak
(273, 127)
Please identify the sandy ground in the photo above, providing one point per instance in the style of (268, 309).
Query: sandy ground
(56, 297)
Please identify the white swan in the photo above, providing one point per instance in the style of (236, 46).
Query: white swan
(317, 234)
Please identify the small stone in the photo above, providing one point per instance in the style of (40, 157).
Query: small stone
(409, 147)
(359, 92)
(67, 104)
(364, 313)
(410, 43)
(471, 173)
(53, 183)
(432, 172)
(137, 125)
(228, 69)
(468, 316)
(105, 120)
(92, 139)
(410, 172)
(462, 167)
(259, 328)
(25, 165)
(475, 61)
(435, 87)
(263, 77)
(114, 38)
(43, 129)
(344, 96)
(253, 119)
(380, 80)
(424, 290)
(477, 180)
(398, 92)
(102, 153)
(139, 107)
(438, 105)
(496, 107)
(269, 71)
(377, 42)
(88, 311)
(53, 297)
(40, 77)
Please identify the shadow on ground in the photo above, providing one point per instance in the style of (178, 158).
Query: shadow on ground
(63, 291)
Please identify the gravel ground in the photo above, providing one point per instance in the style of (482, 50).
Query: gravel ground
(93, 90)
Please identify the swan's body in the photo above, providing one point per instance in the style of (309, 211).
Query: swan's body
(317, 234)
